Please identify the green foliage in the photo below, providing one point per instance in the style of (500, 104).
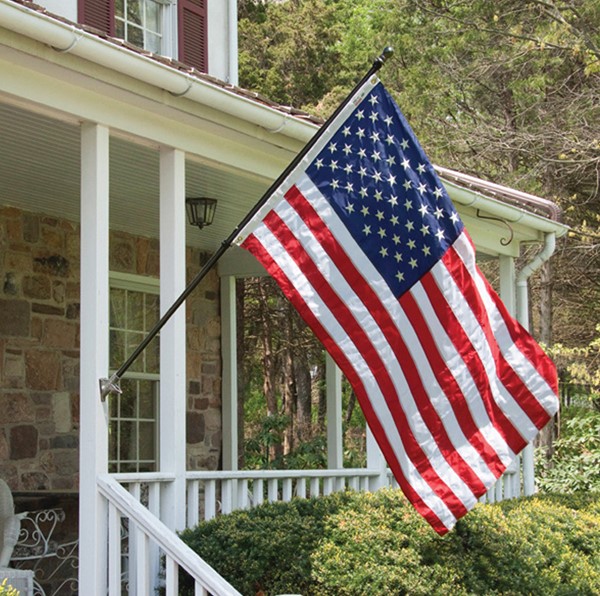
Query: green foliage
(575, 465)
(375, 543)
(267, 548)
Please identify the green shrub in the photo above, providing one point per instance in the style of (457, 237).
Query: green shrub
(375, 543)
(266, 548)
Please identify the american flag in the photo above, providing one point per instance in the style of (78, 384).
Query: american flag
(364, 240)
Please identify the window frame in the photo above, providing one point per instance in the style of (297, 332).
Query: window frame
(144, 285)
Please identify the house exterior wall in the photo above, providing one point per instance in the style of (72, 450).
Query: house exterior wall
(39, 349)
(222, 33)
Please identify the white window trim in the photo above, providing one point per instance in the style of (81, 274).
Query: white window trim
(168, 17)
(146, 285)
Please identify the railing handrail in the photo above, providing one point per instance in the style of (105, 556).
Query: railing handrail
(273, 474)
(168, 541)
(128, 477)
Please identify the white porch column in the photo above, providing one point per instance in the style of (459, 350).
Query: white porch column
(229, 390)
(508, 291)
(93, 432)
(521, 312)
(333, 383)
(172, 336)
(518, 306)
(376, 462)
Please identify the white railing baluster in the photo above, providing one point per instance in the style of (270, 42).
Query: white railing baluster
(364, 483)
(142, 563)
(199, 590)
(301, 488)
(210, 499)
(226, 496)
(314, 487)
(154, 497)
(243, 499)
(114, 551)
(286, 493)
(353, 482)
(272, 490)
(258, 492)
(171, 577)
(193, 503)
(327, 486)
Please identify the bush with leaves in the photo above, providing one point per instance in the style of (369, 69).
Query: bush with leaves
(375, 543)
(576, 462)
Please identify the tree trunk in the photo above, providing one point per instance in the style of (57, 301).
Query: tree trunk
(268, 362)
(303, 397)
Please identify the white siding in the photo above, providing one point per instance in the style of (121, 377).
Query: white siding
(63, 8)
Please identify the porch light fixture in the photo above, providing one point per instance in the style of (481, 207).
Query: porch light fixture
(200, 211)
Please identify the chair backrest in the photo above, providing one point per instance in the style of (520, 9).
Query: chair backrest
(10, 524)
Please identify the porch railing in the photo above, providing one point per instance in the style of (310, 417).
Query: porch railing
(137, 538)
(148, 535)
(210, 493)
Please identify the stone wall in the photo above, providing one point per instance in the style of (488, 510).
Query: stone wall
(39, 349)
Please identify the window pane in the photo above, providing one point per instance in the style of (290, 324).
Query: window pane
(146, 397)
(119, 29)
(135, 311)
(152, 310)
(119, 8)
(128, 451)
(128, 398)
(146, 449)
(152, 16)
(112, 443)
(134, 11)
(152, 43)
(153, 356)
(117, 348)
(133, 341)
(135, 36)
(117, 308)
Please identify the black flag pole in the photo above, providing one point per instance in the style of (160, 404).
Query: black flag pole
(112, 384)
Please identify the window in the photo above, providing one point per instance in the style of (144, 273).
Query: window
(175, 28)
(133, 414)
(140, 23)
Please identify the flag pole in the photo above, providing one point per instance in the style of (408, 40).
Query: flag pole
(112, 384)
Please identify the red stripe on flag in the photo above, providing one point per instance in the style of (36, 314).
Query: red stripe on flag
(253, 245)
(515, 386)
(451, 389)
(470, 357)
(530, 349)
(388, 327)
(375, 363)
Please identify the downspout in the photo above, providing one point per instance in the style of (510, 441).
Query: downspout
(526, 272)
(523, 318)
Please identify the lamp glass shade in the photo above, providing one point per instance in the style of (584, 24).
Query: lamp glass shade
(200, 211)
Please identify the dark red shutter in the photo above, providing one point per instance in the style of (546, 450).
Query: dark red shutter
(97, 13)
(193, 34)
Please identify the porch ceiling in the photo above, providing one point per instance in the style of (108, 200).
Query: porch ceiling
(39, 171)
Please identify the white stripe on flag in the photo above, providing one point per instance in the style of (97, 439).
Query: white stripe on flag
(340, 337)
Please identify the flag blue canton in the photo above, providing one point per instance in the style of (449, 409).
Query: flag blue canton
(379, 181)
